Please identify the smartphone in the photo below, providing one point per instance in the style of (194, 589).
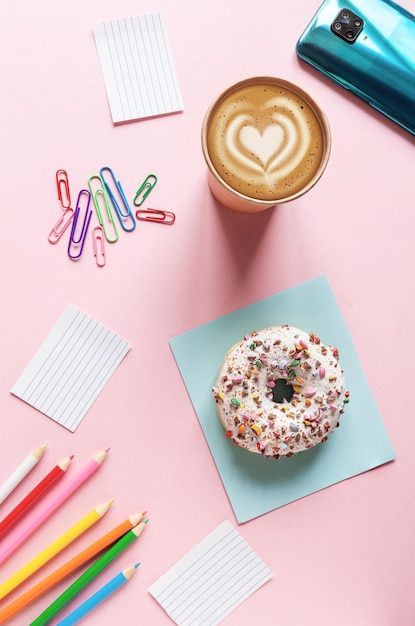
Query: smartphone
(368, 47)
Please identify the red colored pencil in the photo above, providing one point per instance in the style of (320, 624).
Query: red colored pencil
(35, 495)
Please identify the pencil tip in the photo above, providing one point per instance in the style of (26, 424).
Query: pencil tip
(39, 452)
(136, 565)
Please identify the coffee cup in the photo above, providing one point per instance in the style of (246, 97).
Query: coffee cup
(265, 142)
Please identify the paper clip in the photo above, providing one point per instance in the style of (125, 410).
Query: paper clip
(60, 226)
(155, 215)
(144, 190)
(79, 242)
(98, 193)
(98, 245)
(117, 190)
(64, 193)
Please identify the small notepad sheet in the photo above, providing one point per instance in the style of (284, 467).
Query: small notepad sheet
(211, 580)
(71, 367)
(138, 68)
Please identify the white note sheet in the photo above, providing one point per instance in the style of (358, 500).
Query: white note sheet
(211, 580)
(71, 367)
(138, 67)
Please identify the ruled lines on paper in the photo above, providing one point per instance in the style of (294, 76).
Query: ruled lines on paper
(138, 67)
(71, 367)
(211, 580)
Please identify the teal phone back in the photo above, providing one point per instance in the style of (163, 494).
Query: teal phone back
(379, 66)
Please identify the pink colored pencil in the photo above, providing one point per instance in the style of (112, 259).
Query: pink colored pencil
(51, 505)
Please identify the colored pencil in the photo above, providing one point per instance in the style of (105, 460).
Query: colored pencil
(51, 505)
(21, 472)
(34, 495)
(69, 568)
(53, 549)
(88, 576)
(97, 598)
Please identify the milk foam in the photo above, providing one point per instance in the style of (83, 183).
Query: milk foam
(265, 141)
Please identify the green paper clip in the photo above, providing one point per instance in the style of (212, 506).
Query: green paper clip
(143, 191)
(102, 207)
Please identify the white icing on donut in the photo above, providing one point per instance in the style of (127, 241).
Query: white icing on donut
(308, 370)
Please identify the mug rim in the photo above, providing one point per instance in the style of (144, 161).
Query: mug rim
(296, 89)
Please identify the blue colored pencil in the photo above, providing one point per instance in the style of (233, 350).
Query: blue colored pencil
(102, 594)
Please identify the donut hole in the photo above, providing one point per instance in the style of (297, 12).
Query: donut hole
(282, 391)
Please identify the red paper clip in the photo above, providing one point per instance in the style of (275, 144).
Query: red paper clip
(64, 193)
(155, 215)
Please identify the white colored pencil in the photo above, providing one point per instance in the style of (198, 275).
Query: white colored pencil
(21, 472)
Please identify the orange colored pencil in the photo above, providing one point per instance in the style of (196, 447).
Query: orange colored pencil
(68, 568)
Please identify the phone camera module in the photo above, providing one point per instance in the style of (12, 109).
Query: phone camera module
(347, 25)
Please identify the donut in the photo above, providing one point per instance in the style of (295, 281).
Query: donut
(280, 391)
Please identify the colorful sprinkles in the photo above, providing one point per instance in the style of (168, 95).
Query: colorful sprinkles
(244, 392)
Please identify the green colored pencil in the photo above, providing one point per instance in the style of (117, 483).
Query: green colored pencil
(80, 583)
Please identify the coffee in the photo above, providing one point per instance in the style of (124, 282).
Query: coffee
(267, 140)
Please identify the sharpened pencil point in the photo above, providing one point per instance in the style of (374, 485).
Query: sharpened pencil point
(39, 452)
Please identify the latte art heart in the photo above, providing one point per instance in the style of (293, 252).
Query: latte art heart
(264, 146)
(265, 141)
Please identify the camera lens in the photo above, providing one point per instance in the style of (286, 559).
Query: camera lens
(357, 23)
(337, 26)
(345, 15)
(349, 34)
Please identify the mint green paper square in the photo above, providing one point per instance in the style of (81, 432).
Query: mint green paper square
(256, 485)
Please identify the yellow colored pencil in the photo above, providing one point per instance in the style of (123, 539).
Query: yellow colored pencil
(68, 568)
(53, 549)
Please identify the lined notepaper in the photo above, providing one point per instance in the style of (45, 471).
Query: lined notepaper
(215, 577)
(71, 367)
(138, 68)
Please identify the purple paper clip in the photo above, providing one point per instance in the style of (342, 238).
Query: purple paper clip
(77, 242)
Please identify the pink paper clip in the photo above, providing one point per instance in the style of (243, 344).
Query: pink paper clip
(98, 245)
(155, 215)
(64, 193)
(60, 226)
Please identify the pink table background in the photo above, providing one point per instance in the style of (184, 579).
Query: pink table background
(342, 556)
